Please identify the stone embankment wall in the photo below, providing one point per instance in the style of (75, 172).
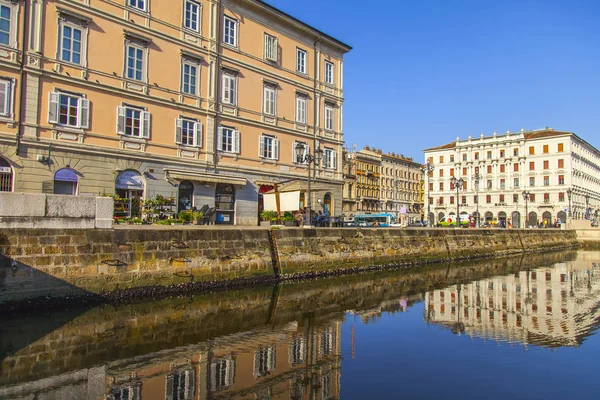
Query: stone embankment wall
(41, 262)
(51, 211)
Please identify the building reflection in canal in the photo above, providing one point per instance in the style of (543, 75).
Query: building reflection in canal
(295, 362)
(551, 307)
(285, 342)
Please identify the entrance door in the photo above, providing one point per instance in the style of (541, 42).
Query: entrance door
(186, 196)
(225, 204)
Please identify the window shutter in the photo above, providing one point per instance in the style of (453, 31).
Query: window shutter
(198, 134)
(4, 97)
(220, 140)
(267, 48)
(178, 124)
(334, 160)
(120, 120)
(225, 94)
(85, 113)
(146, 125)
(53, 108)
(261, 147)
(236, 141)
(276, 149)
(275, 48)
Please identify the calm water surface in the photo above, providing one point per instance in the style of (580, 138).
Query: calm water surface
(512, 328)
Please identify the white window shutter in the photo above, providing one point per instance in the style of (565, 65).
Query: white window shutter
(4, 97)
(267, 48)
(276, 149)
(220, 139)
(146, 125)
(236, 142)
(275, 48)
(120, 120)
(84, 116)
(226, 89)
(53, 108)
(198, 134)
(333, 160)
(261, 147)
(178, 127)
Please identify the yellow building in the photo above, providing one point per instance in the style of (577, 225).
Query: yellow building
(200, 100)
(368, 175)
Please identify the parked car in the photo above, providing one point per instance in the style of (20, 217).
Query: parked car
(419, 224)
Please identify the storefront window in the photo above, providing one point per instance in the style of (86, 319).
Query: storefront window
(65, 182)
(6, 176)
(129, 187)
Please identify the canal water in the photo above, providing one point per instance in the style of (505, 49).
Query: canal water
(516, 328)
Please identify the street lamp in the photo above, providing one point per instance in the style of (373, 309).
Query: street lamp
(476, 178)
(458, 184)
(303, 156)
(569, 194)
(587, 206)
(526, 195)
(428, 169)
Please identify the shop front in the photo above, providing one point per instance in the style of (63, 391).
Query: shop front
(129, 188)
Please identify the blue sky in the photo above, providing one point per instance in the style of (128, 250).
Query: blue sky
(423, 72)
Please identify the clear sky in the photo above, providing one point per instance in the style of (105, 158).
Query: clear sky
(423, 72)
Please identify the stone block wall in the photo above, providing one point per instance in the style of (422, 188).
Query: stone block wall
(54, 211)
(57, 262)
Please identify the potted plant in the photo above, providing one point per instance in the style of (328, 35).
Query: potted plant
(136, 221)
(176, 221)
(266, 217)
(288, 219)
(186, 216)
(198, 217)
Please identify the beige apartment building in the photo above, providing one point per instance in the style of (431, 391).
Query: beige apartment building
(204, 101)
(400, 177)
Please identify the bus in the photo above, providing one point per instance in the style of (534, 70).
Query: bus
(381, 219)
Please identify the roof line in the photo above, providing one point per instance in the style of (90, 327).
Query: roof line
(284, 14)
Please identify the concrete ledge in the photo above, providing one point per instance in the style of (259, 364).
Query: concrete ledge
(53, 211)
(70, 206)
(22, 205)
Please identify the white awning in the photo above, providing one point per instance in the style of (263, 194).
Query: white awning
(182, 175)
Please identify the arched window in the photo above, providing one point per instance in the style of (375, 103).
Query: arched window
(327, 203)
(6, 176)
(65, 182)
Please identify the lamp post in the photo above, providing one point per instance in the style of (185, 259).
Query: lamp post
(427, 169)
(458, 184)
(526, 195)
(476, 179)
(569, 194)
(587, 206)
(303, 156)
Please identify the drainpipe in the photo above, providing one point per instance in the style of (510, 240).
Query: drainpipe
(217, 82)
(316, 106)
(22, 76)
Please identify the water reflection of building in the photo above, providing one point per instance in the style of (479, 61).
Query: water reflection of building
(297, 362)
(551, 307)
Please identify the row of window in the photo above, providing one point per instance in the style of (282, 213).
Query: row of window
(545, 164)
(72, 44)
(73, 111)
(271, 49)
(489, 154)
(501, 199)
(502, 183)
(229, 95)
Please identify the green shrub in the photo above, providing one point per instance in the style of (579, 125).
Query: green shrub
(268, 215)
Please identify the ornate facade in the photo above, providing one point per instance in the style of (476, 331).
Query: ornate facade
(516, 179)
